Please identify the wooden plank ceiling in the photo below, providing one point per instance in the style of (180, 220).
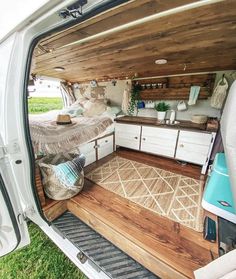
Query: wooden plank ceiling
(197, 40)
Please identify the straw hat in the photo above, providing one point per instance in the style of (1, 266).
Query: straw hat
(63, 119)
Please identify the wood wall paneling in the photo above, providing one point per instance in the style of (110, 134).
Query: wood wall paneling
(203, 39)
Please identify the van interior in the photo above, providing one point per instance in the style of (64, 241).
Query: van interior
(144, 177)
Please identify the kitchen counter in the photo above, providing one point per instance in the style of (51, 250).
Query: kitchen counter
(150, 121)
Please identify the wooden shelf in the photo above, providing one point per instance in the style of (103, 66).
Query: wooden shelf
(171, 94)
(177, 87)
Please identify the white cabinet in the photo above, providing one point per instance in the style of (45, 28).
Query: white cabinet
(105, 146)
(97, 149)
(159, 141)
(89, 151)
(194, 147)
(127, 135)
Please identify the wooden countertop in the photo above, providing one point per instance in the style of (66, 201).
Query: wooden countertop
(150, 121)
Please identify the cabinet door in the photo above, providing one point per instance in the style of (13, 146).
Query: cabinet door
(159, 141)
(127, 135)
(193, 147)
(88, 149)
(105, 146)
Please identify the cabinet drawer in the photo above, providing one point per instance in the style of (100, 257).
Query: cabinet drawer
(161, 133)
(195, 137)
(89, 152)
(128, 128)
(159, 141)
(127, 135)
(105, 146)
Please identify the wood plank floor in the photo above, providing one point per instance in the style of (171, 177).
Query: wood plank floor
(167, 248)
(149, 238)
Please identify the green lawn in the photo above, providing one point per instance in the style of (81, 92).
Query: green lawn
(40, 105)
(40, 260)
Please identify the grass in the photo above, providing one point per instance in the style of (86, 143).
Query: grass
(40, 105)
(42, 259)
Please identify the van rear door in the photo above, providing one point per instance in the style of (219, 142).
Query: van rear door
(13, 227)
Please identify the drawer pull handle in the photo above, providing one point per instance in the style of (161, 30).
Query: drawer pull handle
(144, 138)
(106, 141)
(181, 145)
(136, 137)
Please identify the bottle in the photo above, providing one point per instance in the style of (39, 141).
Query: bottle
(172, 116)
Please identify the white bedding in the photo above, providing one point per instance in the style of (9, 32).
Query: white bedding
(49, 138)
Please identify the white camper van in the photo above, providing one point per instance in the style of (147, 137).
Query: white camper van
(144, 85)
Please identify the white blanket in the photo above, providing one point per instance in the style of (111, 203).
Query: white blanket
(49, 138)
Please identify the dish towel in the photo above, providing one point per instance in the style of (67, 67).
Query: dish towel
(193, 95)
(219, 94)
(222, 268)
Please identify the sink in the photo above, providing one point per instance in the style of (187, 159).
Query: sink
(167, 122)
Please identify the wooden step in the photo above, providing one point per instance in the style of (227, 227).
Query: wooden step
(165, 247)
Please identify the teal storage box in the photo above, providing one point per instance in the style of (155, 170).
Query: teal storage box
(217, 197)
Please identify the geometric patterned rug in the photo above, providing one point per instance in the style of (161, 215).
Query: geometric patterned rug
(174, 196)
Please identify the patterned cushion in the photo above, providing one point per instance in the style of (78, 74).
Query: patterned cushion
(68, 173)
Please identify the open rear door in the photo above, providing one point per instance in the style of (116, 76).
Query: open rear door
(13, 228)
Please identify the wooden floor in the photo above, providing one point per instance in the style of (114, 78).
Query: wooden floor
(165, 247)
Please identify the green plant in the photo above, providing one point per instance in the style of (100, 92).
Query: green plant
(162, 106)
(134, 98)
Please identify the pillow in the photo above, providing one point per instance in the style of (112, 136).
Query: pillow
(79, 102)
(73, 111)
(69, 173)
(113, 110)
(94, 107)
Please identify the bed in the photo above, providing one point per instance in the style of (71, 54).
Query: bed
(49, 138)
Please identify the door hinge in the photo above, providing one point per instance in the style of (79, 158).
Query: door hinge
(2, 152)
(29, 211)
(11, 148)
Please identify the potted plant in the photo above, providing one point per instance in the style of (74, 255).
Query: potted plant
(161, 109)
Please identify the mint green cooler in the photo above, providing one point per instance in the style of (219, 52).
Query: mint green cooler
(217, 197)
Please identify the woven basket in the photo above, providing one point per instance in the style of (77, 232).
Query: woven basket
(53, 188)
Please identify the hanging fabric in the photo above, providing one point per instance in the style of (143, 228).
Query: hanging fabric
(219, 94)
(193, 95)
(126, 98)
(67, 94)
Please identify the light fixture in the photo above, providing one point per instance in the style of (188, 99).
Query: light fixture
(93, 83)
(59, 69)
(160, 61)
(113, 82)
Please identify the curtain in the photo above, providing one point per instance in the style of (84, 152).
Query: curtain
(67, 93)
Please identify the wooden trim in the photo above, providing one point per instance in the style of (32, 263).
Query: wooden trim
(151, 121)
(54, 209)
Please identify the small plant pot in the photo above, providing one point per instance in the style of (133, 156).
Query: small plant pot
(161, 115)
